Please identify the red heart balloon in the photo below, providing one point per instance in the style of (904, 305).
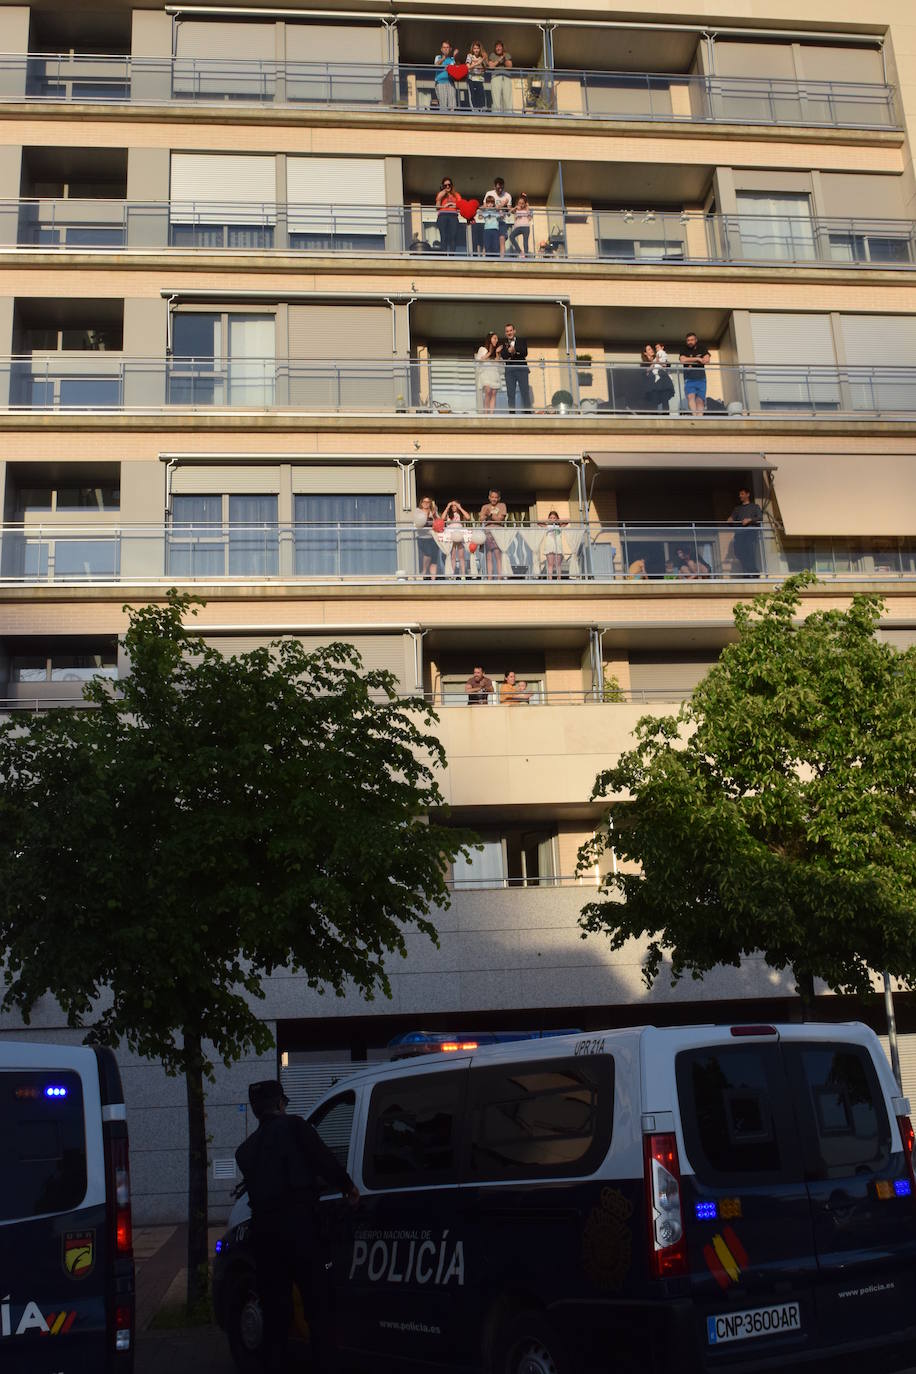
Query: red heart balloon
(458, 71)
(468, 209)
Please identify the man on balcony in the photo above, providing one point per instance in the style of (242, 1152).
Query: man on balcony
(479, 688)
(748, 516)
(694, 358)
(515, 357)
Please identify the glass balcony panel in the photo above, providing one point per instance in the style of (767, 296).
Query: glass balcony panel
(86, 558)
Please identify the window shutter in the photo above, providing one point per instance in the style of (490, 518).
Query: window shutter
(223, 188)
(213, 38)
(796, 347)
(879, 340)
(343, 195)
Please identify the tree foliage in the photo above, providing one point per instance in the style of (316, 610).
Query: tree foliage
(209, 821)
(776, 812)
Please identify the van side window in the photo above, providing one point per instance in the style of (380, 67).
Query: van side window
(843, 1113)
(42, 1143)
(734, 1126)
(334, 1121)
(552, 1118)
(413, 1130)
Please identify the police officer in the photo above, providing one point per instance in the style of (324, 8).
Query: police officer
(282, 1163)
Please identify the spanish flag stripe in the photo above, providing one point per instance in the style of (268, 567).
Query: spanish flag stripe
(58, 1323)
(714, 1267)
(71, 1318)
(50, 1321)
(726, 1257)
(734, 1244)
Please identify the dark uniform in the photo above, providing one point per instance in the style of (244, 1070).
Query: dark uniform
(283, 1163)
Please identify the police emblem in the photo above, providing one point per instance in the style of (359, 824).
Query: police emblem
(607, 1241)
(79, 1253)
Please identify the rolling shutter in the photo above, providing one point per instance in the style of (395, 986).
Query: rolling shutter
(329, 332)
(879, 340)
(218, 39)
(348, 44)
(882, 342)
(222, 188)
(797, 347)
(336, 195)
(664, 677)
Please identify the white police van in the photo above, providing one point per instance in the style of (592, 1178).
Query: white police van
(701, 1198)
(66, 1256)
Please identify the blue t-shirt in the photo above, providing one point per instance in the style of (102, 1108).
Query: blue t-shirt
(441, 64)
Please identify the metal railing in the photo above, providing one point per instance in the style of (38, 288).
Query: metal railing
(642, 236)
(654, 96)
(450, 385)
(37, 553)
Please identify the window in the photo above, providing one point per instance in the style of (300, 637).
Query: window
(78, 496)
(334, 1122)
(484, 867)
(843, 1115)
(550, 1119)
(223, 359)
(254, 547)
(341, 536)
(196, 542)
(42, 1144)
(775, 226)
(65, 665)
(413, 1130)
(733, 1109)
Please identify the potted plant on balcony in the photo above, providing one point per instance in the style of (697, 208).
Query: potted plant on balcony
(561, 402)
(584, 360)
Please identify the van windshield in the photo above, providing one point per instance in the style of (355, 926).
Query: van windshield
(42, 1143)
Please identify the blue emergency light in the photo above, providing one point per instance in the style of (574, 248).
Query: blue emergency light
(903, 1187)
(706, 1211)
(54, 1090)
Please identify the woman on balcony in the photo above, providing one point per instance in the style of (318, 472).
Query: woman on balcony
(521, 229)
(427, 548)
(489, 372)
(659, 386)
(476, 61)
(447, 218)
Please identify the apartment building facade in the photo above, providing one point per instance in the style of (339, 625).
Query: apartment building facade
(238, 350)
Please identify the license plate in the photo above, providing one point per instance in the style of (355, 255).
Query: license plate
(758, 1321)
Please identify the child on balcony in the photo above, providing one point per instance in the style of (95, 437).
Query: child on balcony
(454, 515)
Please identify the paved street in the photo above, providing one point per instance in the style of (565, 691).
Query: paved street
(201, 1350)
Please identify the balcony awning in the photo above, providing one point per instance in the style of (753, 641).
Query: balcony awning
(846, 493)
(727, 462)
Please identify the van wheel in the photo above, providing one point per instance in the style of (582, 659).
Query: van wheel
(529, 1343)
(244, 1322)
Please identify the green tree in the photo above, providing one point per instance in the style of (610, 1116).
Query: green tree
(211, 820)
(776, 812)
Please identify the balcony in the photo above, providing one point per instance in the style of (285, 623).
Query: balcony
(446, 385)
(643, 237)
(33, 553)
(403, 88)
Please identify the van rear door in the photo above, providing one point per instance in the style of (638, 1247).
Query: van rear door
(745, 1206)
(54, 1236)
(861, 1190)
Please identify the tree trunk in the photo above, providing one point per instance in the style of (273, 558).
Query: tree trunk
(197, 1169)
(804, 984)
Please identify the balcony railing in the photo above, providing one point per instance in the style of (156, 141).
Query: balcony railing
(404, 553)
(655, 96)
(449, 385)
(644, 237)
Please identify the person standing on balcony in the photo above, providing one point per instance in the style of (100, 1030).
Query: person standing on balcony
(500, 64)
(492, 514)
(512, 692)
(476, 61)
(489, 372)
(694, 359)
(479, 688)
(445, 91)
(503, 205)
(522, 226)
(427, 548)
(447, 218)
(454, 514)
(553, 545)
(748, 516)
(515, 357)
(492, 243)
(659, 386)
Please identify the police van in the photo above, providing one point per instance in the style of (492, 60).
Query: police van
(66, 1257)
(700, 1198)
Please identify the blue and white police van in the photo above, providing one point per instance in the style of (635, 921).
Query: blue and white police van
(715, 1198)
(66, 1256)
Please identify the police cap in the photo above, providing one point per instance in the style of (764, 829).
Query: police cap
(266, 1095)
